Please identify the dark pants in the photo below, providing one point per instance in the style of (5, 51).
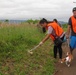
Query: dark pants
(58, 49)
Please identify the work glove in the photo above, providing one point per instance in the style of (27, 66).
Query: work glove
(40, 43)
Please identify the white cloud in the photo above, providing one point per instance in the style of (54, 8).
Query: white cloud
(23, 9)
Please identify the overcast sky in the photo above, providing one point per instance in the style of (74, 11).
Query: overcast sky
(36, 9)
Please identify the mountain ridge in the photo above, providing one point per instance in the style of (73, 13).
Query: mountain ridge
(19, 21)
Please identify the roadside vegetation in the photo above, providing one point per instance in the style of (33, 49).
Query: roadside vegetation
(15, 41)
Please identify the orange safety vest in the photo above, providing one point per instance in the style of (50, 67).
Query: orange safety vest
(58, 30)
(73, 23)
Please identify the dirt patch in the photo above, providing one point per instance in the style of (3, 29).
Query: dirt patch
(62, 69)
(9, 66)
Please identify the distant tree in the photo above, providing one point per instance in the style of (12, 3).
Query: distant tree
(6, 20)
(35, 21)
(32, 21)
(29, 21)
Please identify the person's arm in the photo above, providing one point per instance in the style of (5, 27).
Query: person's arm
(46, 37)
(68, 31)
(68, 28)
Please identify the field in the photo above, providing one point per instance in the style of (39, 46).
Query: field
(15, 41)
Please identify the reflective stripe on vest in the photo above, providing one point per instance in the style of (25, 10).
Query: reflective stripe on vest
(73, 23)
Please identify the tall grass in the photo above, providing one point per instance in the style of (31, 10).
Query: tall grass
(15, 41)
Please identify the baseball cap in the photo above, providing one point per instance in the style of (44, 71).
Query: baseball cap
(74, 9)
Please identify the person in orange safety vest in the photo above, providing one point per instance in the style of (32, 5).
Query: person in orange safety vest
(71, 30)
(53, 31)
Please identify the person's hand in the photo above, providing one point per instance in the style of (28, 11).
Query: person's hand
(40, 43)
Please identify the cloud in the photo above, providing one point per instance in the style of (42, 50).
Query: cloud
(35, 9)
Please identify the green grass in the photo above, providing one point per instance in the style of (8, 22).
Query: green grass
(15, 41)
